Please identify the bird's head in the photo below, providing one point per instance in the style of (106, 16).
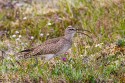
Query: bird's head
(70, 31)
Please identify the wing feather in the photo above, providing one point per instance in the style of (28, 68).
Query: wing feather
(45, 48)
(50, 48)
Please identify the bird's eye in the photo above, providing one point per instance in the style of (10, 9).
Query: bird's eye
(72, 29)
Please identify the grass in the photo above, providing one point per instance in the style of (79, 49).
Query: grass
(100, 59)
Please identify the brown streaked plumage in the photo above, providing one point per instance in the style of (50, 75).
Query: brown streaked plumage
(38, 50)
(52, 47)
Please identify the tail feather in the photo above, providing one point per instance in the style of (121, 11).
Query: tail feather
(27, 50)
(24, 54)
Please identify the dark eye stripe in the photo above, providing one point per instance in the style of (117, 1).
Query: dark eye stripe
(71, 29)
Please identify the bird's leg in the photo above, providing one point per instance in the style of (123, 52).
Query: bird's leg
(47, 58)
(18, 63)
(36, 62)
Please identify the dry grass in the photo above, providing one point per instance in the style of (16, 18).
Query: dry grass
(96, 60)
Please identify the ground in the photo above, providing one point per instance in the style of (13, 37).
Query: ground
(24, 24)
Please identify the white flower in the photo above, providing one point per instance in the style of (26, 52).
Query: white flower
(13, 36)
(47, 34)
(32, 37)
(41, 34)
(22, 44)
(75, 44)
(20, 36)
(87, 46)
(17, 39)
(116, 62)
(49, 24)
(24, 18)
(81, 55)
(8, 58)
(60, 18)
(16, 32)
(99, 45)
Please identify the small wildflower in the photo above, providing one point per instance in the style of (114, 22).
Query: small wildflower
(66, 53)
(13, 36)
(17, 32)
(17, 39)
(24, 18)
(75, 44)
(22, 44)
(41, 35)
(81, 55)
(60, 18)
(99, 45)
(116, 62)
(20, 36)
(49, 24)
(47, 34)
(87, 46)
(32, 37)
(64, 59)
(8, 58)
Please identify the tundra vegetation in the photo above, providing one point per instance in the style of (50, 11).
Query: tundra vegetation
(99, 59)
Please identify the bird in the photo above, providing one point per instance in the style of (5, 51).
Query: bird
(52, 47)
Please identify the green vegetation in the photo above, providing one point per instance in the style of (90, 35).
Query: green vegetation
(90, 60)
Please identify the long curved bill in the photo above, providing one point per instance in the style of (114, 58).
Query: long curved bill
(83, 30)
(79, 31)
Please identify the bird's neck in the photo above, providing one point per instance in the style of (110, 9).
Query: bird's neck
(69, 37)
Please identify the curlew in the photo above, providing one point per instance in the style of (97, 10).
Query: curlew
(52, 47)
